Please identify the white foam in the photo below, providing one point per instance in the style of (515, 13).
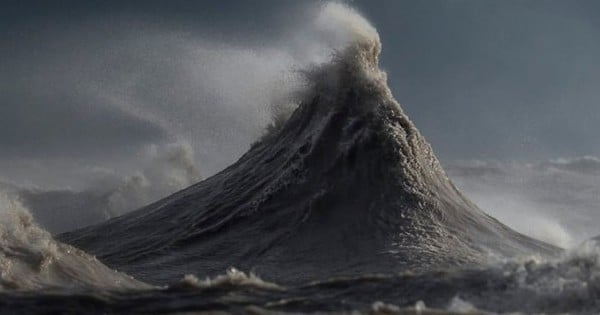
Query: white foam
(233, 277)
(31, 260)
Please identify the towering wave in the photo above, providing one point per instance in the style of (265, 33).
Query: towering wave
(346, 185)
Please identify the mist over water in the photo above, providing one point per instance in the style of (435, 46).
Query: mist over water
(556, 200)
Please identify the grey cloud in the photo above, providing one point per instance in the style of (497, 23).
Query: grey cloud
(102, 86)
(46, 126)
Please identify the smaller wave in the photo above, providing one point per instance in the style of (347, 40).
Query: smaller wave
(232, 278)
(30, 259)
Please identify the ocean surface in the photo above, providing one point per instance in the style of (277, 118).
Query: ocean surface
(342, 207)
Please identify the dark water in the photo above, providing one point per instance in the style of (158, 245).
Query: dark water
(342, 208)
(566, 286)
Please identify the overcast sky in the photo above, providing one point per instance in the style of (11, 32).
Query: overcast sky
(496, 79)
(101, 80)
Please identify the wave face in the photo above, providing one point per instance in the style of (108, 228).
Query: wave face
(346, 186)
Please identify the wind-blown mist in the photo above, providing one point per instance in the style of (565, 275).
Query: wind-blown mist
(557, 201)
(155, 110)
(163, 170)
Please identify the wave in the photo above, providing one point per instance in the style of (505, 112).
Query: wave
(31, 260)
(346, 186)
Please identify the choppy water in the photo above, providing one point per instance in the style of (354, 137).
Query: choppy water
(567, 285)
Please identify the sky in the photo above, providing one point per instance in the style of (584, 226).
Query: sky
(496, 79)
(97, 92)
